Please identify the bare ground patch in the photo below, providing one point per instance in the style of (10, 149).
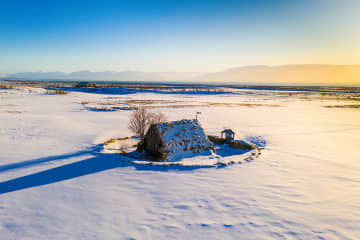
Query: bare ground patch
(329, 96)
(243, 104)
(8, 105)
(15, 112)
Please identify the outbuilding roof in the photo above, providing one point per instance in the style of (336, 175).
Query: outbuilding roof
(227, 131)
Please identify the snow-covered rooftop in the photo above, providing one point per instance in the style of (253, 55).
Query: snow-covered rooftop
(183, 138)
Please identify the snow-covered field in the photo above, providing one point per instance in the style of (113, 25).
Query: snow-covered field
(55, 184)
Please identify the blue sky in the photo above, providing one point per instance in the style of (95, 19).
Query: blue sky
(175, 35)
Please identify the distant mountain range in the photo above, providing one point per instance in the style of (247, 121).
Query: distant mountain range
(308, 74)
(296, 74)
(103, 76)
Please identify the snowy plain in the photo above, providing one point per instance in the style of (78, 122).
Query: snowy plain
(54, 184)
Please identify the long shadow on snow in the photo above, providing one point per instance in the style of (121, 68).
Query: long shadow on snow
(29, 163)
(100, 162)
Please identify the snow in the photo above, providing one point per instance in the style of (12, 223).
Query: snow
(55, 182)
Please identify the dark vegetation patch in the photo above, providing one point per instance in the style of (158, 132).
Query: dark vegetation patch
(236, 144)
(241, 145)
(6, 86)
(14, 112)
(324, 96)
(216, 140)
(343, 106)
